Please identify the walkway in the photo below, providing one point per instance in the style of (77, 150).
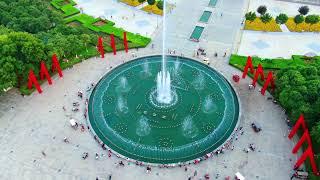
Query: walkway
(38, 123)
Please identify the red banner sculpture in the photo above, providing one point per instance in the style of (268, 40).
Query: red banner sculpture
(56, 65)
(248, 65)
(304, 138)
(125, 41)
(113, 44)
(100, 46)
(44, 72)
(299, 123)
(33, 81)
(259, 72)
(268, 81)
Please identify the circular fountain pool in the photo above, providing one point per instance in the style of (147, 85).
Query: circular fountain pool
(124, 114)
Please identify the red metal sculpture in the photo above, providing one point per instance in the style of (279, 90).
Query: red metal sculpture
(100, 46)
(305, 138)
(269, 80)
(125, 41)
(44, 72)
(248, 65)
(113, 44)
(259, 72)
(33, 81)
(56, 65)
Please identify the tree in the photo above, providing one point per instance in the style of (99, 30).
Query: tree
(160, 5)
(312, 19)
(282, 18)
(262, 10)
(303, 10)
(315, 133)
(251, 16)
(8, 76)
(298, 19)
(266, 18)
(151, 2)
(140, 1)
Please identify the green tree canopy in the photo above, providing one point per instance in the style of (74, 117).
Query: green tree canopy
(251, 16)
(151, 2)
(303, 10)
(262, 10)
(282, 18)
(266, 18)
(160, 5)
(298, 19)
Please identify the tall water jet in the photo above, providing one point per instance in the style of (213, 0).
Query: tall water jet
(163, 79)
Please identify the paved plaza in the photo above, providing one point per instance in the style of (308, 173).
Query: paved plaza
(34, 124)
(279, 44)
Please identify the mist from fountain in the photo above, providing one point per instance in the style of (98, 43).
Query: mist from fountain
(123, 84)
(163, 78)
(143, 128)
(208, 105)
(122, 105)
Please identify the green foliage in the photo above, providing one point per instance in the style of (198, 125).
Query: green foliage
(251, 16)
(88, 21)
(262, 10)
(34, 31)
(303, 10)
(298, 91)
(266, 18)
(298, 19)
(141, 1)
(315, 132)
(160, 5)
(151, 2)
(282, 18)
(69, 10)
(312, 19)
(31, 16)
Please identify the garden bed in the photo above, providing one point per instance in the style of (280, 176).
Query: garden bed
(258, 25)
(133, 3)
(303, 27)
(153, 9)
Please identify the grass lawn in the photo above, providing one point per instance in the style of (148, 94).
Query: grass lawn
(58, 4)
(273, 65)
(108, 28)
(258, 25)
(277, 63)
(303, 27)
(69, 10)
(133, 3)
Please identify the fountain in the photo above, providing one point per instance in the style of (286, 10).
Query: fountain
(162, 121)
(164, 95)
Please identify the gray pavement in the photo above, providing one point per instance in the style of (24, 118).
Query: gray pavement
(38, 123)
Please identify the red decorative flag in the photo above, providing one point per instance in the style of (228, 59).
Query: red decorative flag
(33, 81)
(259, 72)
(304, 138)
(56, 65)
(113, 44)
(248, 65)
(44, 72)
(125, 41)
(268, 81)
(100, 46)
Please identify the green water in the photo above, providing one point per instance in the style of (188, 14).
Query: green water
(196, 34)
(213, 3)
(125, 118)
(205, 16)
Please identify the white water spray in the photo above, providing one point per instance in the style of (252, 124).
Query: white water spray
(163, 79)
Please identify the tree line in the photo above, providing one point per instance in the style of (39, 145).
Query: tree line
(31, 31)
